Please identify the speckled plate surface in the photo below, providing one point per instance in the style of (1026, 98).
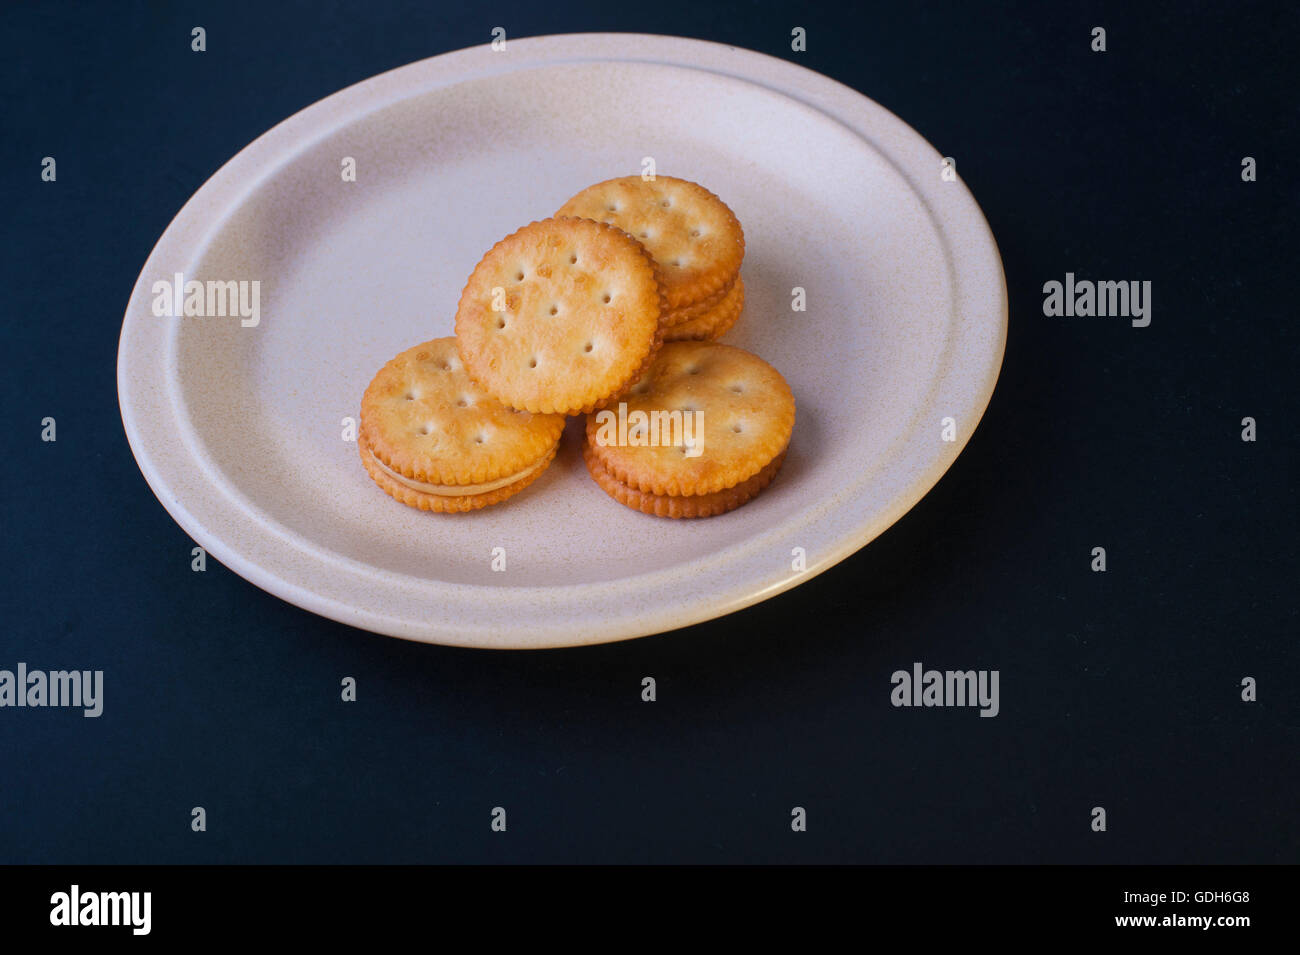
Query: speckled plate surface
(240, 431)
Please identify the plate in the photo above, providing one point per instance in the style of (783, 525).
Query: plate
(240, 423)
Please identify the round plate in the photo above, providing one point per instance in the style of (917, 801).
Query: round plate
(241, 429)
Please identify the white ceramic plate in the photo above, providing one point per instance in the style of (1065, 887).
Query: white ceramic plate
(239, 430)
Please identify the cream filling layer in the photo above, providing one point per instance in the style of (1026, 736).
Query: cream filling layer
(458, 490)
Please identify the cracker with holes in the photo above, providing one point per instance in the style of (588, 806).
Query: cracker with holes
(736, 415)
(433, 439)
(560, 316)
(691, 233)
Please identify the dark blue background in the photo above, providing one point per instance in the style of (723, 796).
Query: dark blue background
(1118, 689)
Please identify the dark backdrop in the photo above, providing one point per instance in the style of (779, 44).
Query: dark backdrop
(1119, 689)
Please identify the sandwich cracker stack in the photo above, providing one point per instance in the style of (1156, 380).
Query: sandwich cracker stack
(616, 301)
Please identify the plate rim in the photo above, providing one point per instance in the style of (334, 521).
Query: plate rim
(804, 86)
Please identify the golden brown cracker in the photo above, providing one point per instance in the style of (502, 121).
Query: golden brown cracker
(743, 409)
(696, 239)
(425, 420)
(560, 315)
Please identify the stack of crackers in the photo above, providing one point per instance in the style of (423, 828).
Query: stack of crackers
(694, 238)
(610, 309)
